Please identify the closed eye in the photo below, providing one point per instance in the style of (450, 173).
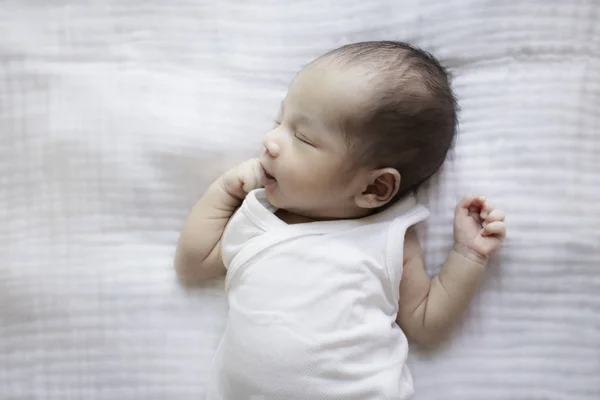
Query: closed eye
(303, 140)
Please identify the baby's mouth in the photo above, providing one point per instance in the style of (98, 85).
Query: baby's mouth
(266, 178)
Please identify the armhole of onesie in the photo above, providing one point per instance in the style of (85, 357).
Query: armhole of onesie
(394, 249)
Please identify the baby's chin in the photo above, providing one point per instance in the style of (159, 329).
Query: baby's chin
(289, 204)
(277, 200)
(272, 198)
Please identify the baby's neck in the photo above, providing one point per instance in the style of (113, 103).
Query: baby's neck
(291, 218)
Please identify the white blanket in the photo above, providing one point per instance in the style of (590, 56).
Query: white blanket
(115, 115)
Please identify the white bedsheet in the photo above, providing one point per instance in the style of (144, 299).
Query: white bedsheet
(115, 115)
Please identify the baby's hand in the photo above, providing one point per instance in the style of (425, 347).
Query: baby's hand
(479, 228)
(242, 179)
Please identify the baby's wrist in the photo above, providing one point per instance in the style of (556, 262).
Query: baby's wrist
(470, 254)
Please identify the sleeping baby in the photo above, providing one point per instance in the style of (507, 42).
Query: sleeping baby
(325, 277)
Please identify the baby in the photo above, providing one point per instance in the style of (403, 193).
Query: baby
(325, 277)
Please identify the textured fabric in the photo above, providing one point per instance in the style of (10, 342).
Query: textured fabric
(312, 306)
(115, 116)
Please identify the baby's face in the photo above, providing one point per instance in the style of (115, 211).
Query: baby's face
(306, 154)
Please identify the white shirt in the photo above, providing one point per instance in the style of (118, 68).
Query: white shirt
(312, 306)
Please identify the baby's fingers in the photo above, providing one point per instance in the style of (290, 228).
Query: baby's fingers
(495, 215)
(496, 228)
(250, 183)
(486, 209)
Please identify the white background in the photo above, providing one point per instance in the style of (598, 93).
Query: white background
(115, 115)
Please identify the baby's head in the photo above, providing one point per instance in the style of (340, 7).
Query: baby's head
(359, 128)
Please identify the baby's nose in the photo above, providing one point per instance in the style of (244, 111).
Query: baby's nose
(271, 146)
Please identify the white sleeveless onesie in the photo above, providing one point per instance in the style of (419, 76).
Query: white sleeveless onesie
(312, 307)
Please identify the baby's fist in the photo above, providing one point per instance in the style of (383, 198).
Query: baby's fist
(242, 179)
(479, 228)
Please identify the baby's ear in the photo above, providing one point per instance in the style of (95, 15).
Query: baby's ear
(382, 186)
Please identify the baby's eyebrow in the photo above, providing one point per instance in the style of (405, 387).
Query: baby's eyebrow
(300, 119)
(303, 119)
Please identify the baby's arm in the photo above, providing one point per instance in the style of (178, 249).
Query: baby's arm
(428, 308)
(198, 254)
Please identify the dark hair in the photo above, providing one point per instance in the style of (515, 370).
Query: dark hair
(412, 120)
